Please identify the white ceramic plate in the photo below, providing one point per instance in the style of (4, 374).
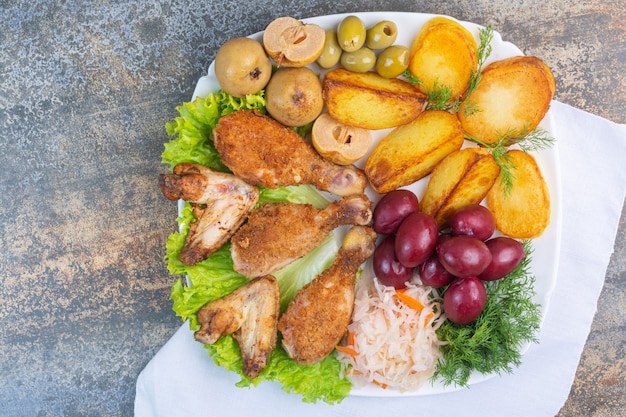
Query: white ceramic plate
(546, 248)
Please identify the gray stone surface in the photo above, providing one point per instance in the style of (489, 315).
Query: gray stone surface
(86, 88)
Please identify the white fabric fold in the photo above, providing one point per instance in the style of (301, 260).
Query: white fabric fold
(181, 380)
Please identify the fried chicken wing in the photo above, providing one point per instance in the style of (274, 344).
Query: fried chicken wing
(318, 317)
(277, 234)
(221, 203)
(263, 152)
(250, 314)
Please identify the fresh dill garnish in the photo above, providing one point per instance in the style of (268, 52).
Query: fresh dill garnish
(440, 97)
(528, 141)
(492, 343)
(484, 50)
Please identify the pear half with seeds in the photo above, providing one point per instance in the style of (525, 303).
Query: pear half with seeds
(292, 43)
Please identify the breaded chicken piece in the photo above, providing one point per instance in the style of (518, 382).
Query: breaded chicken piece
(250, 314)
(278, 233)
(318, 317)
(221, 203)
(263, 152)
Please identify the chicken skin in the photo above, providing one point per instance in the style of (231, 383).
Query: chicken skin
(221, 203)
(318, 317)
(250, 314)
(277, 234)
(263, 152)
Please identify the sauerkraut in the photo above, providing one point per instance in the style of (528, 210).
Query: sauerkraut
(392, 343)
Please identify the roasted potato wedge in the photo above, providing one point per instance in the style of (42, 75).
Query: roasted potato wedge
(524, 212)
(443, 54)
(370, 101)
(464, 177)
(410, 152)
(512, 97)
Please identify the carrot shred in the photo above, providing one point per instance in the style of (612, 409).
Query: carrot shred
(410, 301)
(428, 317)
(350, 339)
(347, 350)
(383, 385)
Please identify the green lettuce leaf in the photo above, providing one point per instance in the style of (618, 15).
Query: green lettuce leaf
(302, 271)
(215, 277)
(193, 128)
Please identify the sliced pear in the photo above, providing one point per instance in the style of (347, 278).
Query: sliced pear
(339, 143)
(292, 43)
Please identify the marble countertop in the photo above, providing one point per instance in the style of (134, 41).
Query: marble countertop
(86, 88)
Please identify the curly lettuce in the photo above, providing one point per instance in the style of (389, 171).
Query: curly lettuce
(194, 125)
(215, 277)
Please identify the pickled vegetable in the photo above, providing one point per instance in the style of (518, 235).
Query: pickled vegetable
(381, 35)
(351, 33)
(361, 60)
(392, 61)
(331, 53)
(392, 209)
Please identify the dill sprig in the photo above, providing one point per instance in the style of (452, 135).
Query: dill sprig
(527, 140)
(440, 97)
(492, 343)
(484, 50)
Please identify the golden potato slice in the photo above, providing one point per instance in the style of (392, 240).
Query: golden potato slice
(370, 101)
(523, 213)
(464, 177)
(443, 54)
(513, 96)
(410, 152)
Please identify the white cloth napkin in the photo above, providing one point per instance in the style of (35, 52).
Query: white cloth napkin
(181, 380)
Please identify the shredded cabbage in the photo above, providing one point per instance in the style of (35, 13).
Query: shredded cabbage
(392, 344)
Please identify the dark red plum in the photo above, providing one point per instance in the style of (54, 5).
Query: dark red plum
(386, 266)
(464, 300)
(506, 254)
(392, 209)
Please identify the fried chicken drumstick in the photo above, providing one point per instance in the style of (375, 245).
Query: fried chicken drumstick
(221, 203)
(278, 233)
(318, 317)
(263, 152)
(250, 314)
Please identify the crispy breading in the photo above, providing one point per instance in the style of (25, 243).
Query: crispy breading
(221, 203)
(277, 234)
(263, 152)
(318, 317)
(250, 314)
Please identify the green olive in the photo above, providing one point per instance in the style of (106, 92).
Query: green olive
(351, 33)
(331, 52)
(361, 60)
(392, 61)
(381, 35)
